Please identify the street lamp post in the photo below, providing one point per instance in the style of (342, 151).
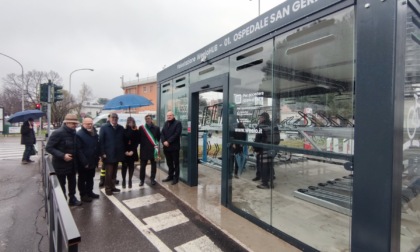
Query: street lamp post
(258, 7)
(23, 81)
(90, 69)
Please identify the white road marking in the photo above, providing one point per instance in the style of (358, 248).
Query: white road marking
(166, 220)
(135, 187)
(144, 200)
(202, 244)
(9, 151)
(160, 246)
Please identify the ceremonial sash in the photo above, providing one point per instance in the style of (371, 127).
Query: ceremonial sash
(152, 140)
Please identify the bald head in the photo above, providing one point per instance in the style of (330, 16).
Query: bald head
(87, 123)
(170, 116)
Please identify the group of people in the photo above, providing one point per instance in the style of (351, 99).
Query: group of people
(264, 156)
(79, 153)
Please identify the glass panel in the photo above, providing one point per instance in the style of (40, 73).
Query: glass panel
(210, 70)
(180, 96)
(314, 86)
(250, 91)
(410, 208)
(210, 129)
(306, 89)
(166, 104)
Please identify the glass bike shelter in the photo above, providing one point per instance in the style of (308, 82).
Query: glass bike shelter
(340, 82)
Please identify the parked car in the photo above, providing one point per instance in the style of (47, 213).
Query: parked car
(122, 119)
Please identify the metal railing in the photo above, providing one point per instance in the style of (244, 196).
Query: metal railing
(62, 230)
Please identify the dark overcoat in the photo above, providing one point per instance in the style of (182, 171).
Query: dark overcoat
(27, 134)
(131, 143)
(87, 148)
(171, 132)
(62, 141)
(111, 142)
(147, 149)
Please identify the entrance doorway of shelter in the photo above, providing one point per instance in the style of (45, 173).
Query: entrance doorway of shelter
(208, 137)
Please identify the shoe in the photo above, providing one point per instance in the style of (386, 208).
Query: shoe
(123, 184)
(93, 195)
(86, 198)
(74, 202)
(24, 162)
(236, 176)
(141, 183)
(153, 182)
(256, 179)
(175, 182)
(130, 184)
(115, 190)
(30, 161)
(263, 186)
(167, 179)
(108, 192)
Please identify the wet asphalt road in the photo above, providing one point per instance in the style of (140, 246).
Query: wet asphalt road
(147, 218)
(23, 225)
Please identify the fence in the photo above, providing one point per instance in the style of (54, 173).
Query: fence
(62, 230)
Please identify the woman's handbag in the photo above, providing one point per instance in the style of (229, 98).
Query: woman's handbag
(34, 151)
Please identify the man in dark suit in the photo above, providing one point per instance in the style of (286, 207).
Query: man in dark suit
(62, 146)
(171, 140)
(111, 141)
(88, 158)
(149, 146)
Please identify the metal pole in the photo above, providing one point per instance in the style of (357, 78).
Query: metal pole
(23, 80)
(90, 69)
(49, 107)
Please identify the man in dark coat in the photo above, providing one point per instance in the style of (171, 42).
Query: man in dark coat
(28, 139)
(264, 158)
(62, 146)
(88, 158)
(171, 140)
(111, 142)
(149, 148)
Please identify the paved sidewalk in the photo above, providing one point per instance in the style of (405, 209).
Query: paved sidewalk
(22, 214)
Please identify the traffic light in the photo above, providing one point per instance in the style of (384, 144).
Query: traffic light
(44, 92)
(38, 106)
(58, 93)
(45, 109)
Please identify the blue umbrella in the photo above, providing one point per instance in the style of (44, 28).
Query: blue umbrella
(25, 115)
(127, 101)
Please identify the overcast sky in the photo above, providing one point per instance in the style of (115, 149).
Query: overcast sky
(114, 37)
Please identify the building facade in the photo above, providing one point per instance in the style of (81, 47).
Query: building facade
(338, 80)
(146, 87)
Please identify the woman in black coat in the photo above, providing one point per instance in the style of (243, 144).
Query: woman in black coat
(131, 143)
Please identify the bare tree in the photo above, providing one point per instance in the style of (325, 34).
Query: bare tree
(85, 94)
(10, 100)
(103, 101)
(12, 88)
(61, 108)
